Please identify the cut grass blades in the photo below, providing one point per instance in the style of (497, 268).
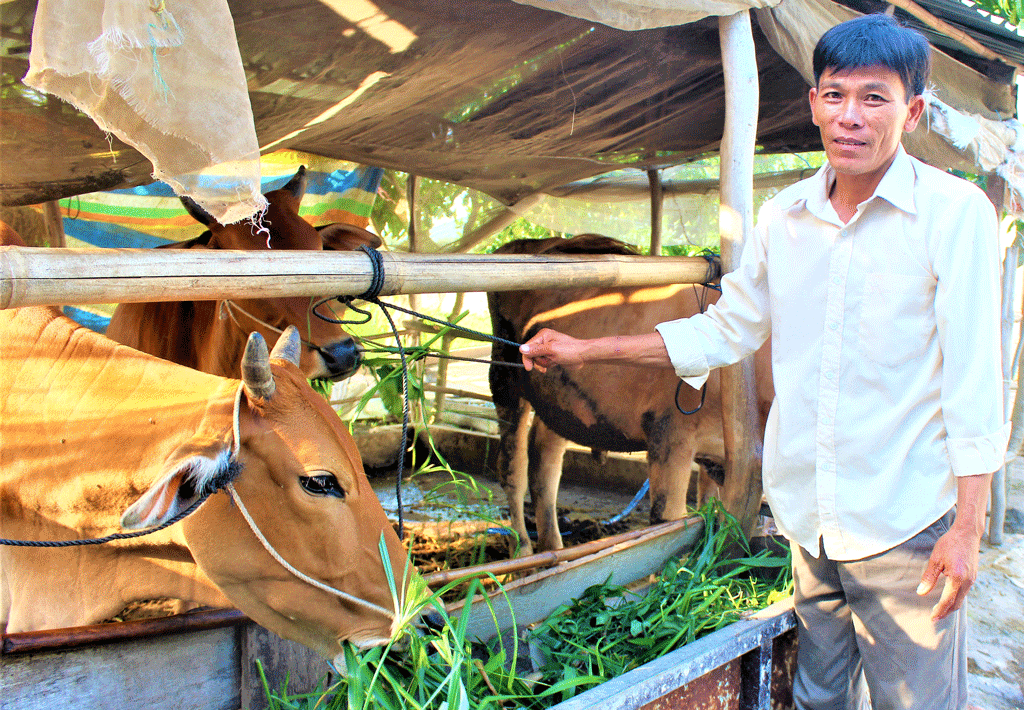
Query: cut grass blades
(610, 630)
(606, 632)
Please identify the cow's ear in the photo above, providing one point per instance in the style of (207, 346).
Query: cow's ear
(175, 491)
(198, 213)
(348, 237)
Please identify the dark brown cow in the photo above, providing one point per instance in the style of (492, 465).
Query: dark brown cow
(604, 407)
(210, 335)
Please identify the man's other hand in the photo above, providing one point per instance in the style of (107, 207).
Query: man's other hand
(954, 556)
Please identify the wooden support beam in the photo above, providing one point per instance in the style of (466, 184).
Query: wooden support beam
(944, 28)
(36, 277)
(657, 202)
(495, 225)
(54, 221)
(741, 492)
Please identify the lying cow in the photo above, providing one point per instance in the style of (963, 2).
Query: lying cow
(95, 435)
(603, 407)
(210, 335)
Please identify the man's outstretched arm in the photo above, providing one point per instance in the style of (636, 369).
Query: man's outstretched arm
(549, 347)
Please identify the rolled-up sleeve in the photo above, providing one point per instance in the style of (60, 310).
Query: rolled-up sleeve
(968, 312)
(688, 359)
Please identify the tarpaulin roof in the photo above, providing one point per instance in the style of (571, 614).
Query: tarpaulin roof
(501, 96)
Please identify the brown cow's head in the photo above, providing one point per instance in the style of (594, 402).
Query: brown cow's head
(328, 351)
(302, 481)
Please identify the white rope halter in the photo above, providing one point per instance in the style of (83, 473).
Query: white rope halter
(266, 543)
(229, 307)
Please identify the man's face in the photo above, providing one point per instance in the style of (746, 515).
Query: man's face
(862, 114)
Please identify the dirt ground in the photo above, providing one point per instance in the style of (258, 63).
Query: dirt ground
(995, 653)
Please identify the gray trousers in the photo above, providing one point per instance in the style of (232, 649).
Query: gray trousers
(865, 633)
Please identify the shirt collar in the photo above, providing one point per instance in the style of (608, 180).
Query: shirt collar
(896, 186)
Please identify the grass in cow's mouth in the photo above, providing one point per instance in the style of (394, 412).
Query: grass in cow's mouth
(607, 631)
(323, 386)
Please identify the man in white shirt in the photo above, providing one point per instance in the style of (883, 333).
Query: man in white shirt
(878, 282)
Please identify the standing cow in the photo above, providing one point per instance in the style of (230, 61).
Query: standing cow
(604, 407)
(95, 436)
(210, 335)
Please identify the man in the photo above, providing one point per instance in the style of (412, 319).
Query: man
(878, 282)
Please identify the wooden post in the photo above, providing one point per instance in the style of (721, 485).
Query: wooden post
(411, 195)
(741, 492)
(442, 364)
(996, 189)
(657, 201)
(54, 222)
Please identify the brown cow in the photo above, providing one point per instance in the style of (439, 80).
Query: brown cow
(95, 435)
(210, 335)
(604, 407)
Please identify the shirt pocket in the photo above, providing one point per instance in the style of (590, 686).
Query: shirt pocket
(896, 322)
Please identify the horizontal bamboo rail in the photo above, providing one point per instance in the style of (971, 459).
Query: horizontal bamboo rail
(554, 557)
(37, 277)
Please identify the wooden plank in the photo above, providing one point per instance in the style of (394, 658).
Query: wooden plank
(75, 637)
(286, 665)
(196, 670)
(741, 492)
(42, 276)
(533, 598)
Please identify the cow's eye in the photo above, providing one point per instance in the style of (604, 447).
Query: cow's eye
(322, 485)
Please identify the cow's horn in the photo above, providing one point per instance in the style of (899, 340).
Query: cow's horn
(288, 346)
(297, 185)
(256, 376)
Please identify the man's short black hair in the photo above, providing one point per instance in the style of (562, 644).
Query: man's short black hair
(874, 40)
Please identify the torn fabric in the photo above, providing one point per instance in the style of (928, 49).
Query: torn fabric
(164, 76)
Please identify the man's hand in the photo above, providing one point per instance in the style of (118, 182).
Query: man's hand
(548, 348)
(956, 553)
(954, 556)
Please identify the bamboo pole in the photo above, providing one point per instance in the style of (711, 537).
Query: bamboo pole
(996, 190)
(637, 189)
(553, 557)
(657, 202)
(741, 492)
(997, 504)
(497, 223)
(45, 276)
(953, 33)
(54, 221)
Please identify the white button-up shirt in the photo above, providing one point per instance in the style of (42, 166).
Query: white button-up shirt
(885, 353)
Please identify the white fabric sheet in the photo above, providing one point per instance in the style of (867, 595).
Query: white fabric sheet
(164, 76)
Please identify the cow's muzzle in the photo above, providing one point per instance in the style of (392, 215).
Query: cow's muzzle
(341, 359)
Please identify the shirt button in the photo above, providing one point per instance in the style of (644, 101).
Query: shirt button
(836, 280)
(833, 326)
(843, 233)
(829, 375)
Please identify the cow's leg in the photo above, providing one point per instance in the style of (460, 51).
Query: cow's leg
(514, 430)
(547, 451)
(708, 486)
(670, 462)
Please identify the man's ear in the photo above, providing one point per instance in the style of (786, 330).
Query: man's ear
(811, 95)
(915, 109)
